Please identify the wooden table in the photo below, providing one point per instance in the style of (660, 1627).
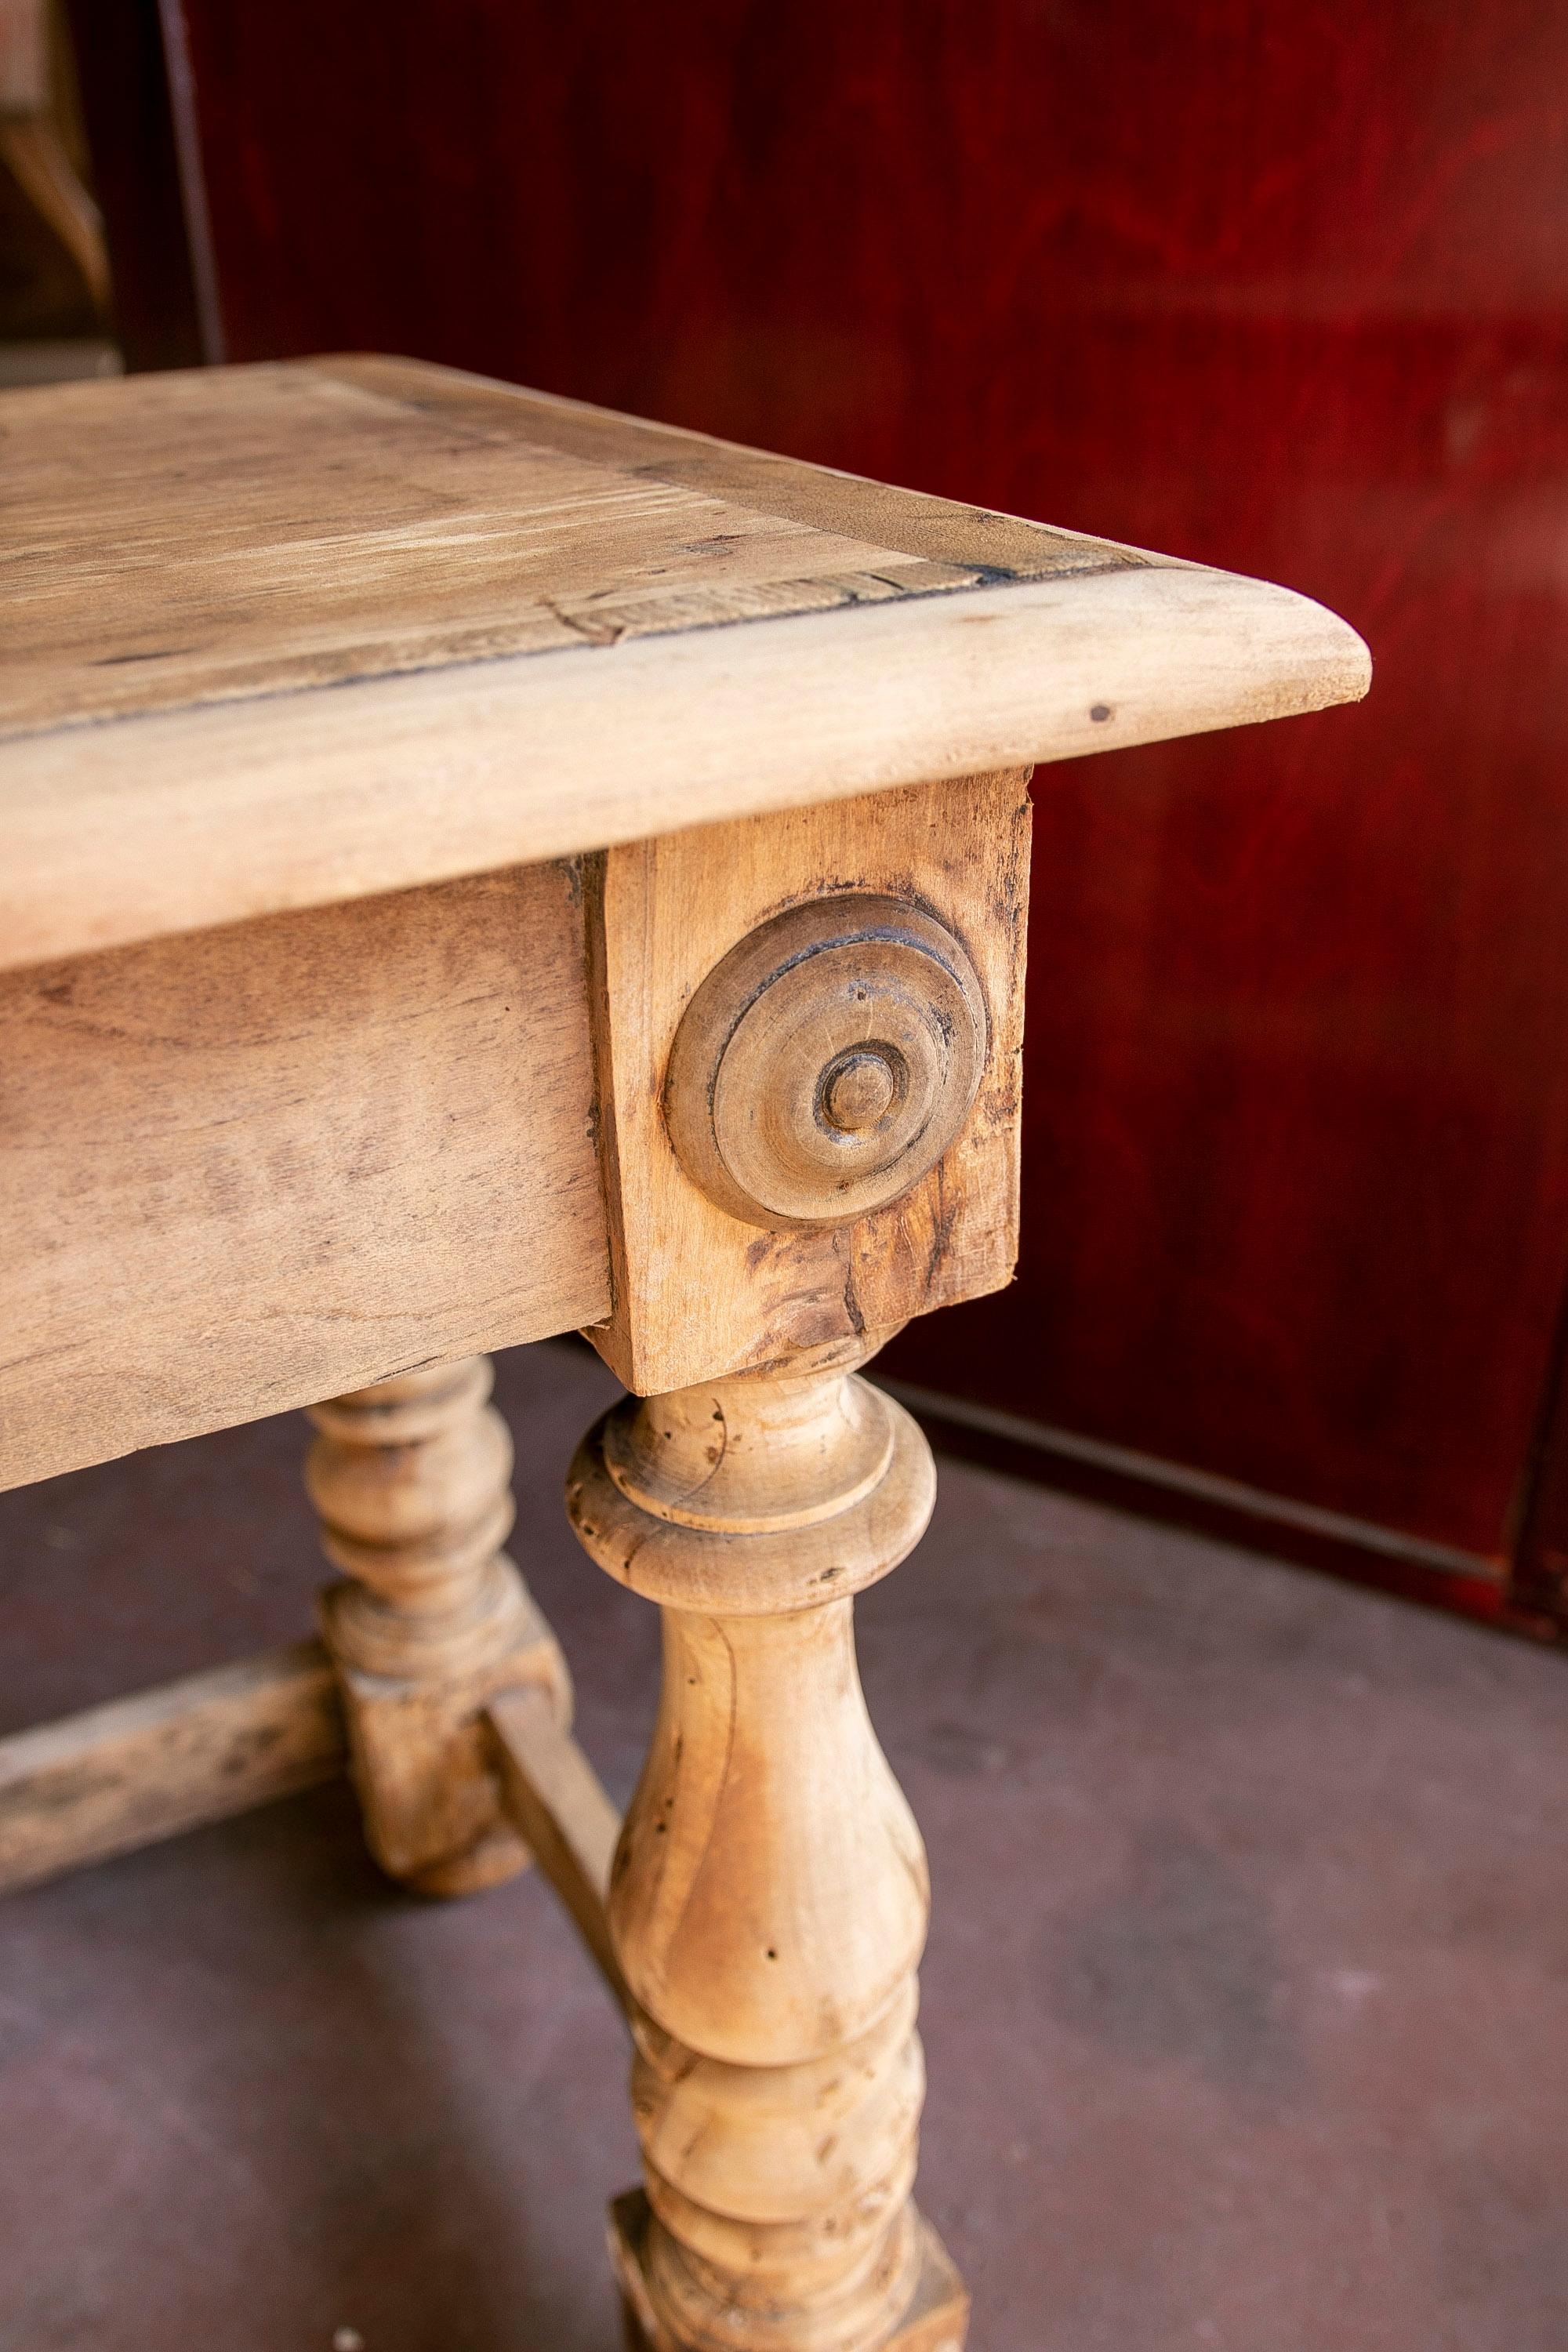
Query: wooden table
(480, 867)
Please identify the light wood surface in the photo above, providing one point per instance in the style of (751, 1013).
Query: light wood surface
(827, 1062)
(768, 1901)
(935, 2320)
(141, 1769)
(476, 865)
(412, 1481)
(300, 632)
(699, 1290)
(252, 1168)
(202, 537)
(557, 1804)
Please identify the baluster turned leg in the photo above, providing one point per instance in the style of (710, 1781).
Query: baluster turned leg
(410, 1479)
(769, 1899)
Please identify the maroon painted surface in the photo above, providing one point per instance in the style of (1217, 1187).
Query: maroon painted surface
(1539, 1579)
(1282, 288)
(128, 115)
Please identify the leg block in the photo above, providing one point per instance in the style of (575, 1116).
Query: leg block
(421, 1754)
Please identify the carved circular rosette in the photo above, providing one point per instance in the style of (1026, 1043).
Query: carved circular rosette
(827, 1062)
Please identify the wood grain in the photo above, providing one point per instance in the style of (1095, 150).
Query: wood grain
(1297, 1208)
(697, 1290)
(937, 2319)
(544, 630)
(181, 538)
(412, 1480)
(768, 1902)
(122, 1776)
(255, 1166)
(827, 1062)
(557, 1806)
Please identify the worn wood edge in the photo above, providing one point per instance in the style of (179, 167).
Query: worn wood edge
(141, 1769)
(178, 821)
(557, 1806)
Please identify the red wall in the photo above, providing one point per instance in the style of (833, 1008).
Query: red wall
(1282, 288)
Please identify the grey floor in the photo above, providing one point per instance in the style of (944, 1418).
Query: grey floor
(1245, 2005)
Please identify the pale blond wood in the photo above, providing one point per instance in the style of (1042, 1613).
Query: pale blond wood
(827, 1062)
(768, 1902)
(936, 2320)
(141, 1769)
(556, 1803)
(311, 634)
(173, 821)
(698, 1291)
(272, 528)
(411, 1478)
(243, 1170)
(514, 604)
(945, 533)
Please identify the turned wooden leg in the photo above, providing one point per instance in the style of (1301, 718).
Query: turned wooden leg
(768, 1901)
(410, 1479)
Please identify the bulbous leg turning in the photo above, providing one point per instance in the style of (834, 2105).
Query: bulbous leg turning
(411, 1481)
(769, 1900)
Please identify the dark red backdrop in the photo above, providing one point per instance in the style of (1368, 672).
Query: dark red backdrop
(1281, 289)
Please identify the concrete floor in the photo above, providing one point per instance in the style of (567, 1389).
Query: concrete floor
(1246, 2000)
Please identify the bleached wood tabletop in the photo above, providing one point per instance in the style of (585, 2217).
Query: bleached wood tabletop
(545, 628)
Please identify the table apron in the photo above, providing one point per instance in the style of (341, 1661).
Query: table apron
(248, 1168)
